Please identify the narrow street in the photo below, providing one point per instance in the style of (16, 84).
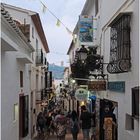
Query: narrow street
(70, 68)
(68, 137)
(54, 137)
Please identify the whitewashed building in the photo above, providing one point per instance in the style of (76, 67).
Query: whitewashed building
(117, 41)
(66, 76)
(24, 48)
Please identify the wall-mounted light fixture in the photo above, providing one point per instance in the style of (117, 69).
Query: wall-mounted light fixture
(82, 54)
(86, 60)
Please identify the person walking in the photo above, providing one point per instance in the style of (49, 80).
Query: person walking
(74, 125)
(40, 123)
(61, 126)
(86, 122)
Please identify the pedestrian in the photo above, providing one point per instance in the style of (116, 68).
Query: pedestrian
(48, 118)
(86, 122)
(61, 126)
(57, 115)
(40, 123)
(74, 125)
(68, 114)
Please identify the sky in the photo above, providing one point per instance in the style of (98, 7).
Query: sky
(67, 11)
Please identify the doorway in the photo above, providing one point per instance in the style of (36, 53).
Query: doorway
(23, 116)
(108, 119)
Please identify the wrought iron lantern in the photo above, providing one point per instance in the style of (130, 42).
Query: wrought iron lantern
(86, 62)
(82, 54)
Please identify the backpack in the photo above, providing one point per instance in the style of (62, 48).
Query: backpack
(75, 127)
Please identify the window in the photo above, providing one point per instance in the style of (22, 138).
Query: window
(21, 78)
(36, 44)
(96, 7)
(32, 32)
(120, 45)
(135, 102)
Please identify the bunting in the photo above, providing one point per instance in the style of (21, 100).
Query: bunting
(68, 31)
(43, 7)
(59, 22)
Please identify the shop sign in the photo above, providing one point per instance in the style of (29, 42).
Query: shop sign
(97, 85)
(81, 94)
(118, 86)
(108, 128)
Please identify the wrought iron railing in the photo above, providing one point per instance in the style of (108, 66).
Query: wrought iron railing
(120, 45)
(39, 57)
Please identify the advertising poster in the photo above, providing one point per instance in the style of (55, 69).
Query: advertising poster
(86, 30)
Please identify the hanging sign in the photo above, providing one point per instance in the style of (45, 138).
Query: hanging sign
(97, 85)
(86, 30)
(81, 94)
(108, 128)
(118, 86)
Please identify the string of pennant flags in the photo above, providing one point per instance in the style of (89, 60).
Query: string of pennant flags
(59, 22)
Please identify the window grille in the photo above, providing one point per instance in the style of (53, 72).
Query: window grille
(120, 45)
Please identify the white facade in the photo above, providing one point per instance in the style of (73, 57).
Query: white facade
(57, 83)
(66, 76)
(106, 13)
(16, 54)
(12, 64)
(131, 78)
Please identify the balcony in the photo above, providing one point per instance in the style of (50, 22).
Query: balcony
(7, 44)
(45, 64)
(24, 58)
(39, 57)
(25, 29)
(7, 40)
(11, 35)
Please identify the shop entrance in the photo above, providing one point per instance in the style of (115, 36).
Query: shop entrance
(108, 120)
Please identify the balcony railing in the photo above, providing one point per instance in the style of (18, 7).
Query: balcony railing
(25, 30)
(39, 57)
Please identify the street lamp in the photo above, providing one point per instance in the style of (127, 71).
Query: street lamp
(73, 81)
(87, 61)
(82, 53)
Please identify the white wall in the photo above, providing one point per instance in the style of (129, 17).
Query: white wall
(10, 93)
(12, 65)
(130, 78)
(108, 10)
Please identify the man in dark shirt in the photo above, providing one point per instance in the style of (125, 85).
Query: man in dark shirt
(86, 122)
